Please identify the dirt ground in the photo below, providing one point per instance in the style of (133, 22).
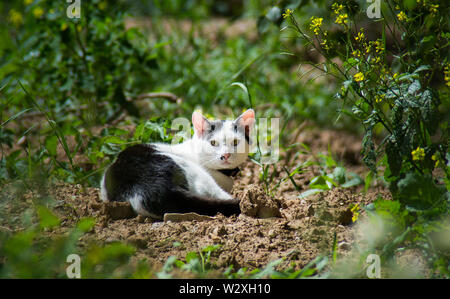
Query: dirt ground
(269, 228)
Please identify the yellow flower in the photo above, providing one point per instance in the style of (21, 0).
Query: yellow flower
(15, 17)
(63, 26)
(315, 25)
(394, 76)
(379, 46)
(337, 8)
(324, 44)
(356, 53)
(434, 8)
(418, 154)
(447, 74)
(287, 13)
(355, 212)
(359, 77)
(402, 16)
(360, 36)
(379, 98)
(376, 60)
(435, 157)
(342, 19)
(38, 12)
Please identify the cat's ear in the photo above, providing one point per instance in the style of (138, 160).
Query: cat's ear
(201, 124)
(246, 120)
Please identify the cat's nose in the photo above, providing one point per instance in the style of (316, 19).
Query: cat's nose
(225, 156)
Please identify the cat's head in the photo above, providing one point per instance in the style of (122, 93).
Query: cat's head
(224, 144)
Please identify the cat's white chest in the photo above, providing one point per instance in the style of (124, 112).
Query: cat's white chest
(202, 180)
(225, 182)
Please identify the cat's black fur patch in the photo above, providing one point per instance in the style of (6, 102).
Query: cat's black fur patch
(230, 172)
(213, 126)
(142, 170)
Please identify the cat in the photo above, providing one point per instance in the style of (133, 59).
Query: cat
(192, 176)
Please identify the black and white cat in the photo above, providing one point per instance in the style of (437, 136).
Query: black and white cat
(193, 176)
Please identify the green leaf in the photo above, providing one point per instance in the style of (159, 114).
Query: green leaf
(351, 62)
(410, 4)
(321, 182)
(339, 175)
(46, 218)
(110, 149)
(309, 192)
(419, 193)
(211, 248)
(114, 140)
(190, 256)
(368, 181)
(414, 87)
(355, 181)
(14, 117)
(394, 158)
(269, 270)
(422, 68)
(86, 224)
(244, 88)
(139, 131)
(51, 142)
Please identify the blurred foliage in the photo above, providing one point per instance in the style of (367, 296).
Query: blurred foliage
(70, 62)
(32, 254)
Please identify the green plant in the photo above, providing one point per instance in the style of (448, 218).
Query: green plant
(81, 62)
(397, 87)
(32, 254)
(200, 265)
(332, 175)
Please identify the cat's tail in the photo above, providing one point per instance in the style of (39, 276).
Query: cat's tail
(180, 200)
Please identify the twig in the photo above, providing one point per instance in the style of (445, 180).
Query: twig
(166, 95)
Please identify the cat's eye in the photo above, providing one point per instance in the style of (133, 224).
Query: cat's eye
(235, 142)
(214, 143)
